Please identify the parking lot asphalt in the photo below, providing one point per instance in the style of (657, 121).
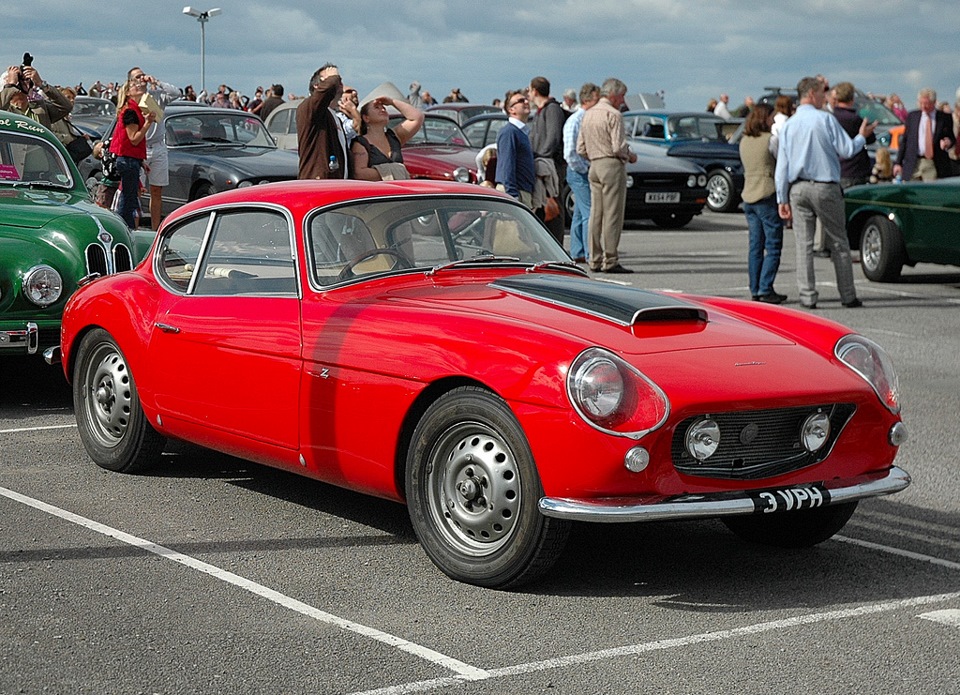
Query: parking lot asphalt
(214, 575)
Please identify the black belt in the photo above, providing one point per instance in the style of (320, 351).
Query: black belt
(813, 181)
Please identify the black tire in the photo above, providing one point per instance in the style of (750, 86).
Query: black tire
(792, 529)
(473, 492)
(882, 254)
(112, 425)
(672, 220)
(202, 191)
(721, 195)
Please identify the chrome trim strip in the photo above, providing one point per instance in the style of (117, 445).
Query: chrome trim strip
(33, 338)
(627, 510)
(52, 355)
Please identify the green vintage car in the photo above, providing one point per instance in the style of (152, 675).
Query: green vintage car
(52, 236)
(895, 225)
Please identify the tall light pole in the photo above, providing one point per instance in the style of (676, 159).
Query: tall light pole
(203, 16)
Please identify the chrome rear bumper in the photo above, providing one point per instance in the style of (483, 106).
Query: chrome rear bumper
(25, 339)
(630, 509)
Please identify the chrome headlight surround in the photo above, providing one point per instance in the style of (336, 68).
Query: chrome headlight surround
(630, 181)
(874, 366)
(461, 174)
(612, 396)
(42, 285)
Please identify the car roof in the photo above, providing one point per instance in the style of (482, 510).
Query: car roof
(305, 195)
(668, 114)
(181, 109)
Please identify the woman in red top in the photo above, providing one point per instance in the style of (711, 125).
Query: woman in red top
(129, 144)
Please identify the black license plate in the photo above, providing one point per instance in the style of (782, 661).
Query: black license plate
(790, 499)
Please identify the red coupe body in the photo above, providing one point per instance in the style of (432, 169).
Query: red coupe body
(357, 364)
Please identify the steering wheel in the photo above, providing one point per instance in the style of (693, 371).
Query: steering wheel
(347, 271)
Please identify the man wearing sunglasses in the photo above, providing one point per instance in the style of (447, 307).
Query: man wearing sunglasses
(515, 172)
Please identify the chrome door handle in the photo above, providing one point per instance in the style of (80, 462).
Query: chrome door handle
(167, 328)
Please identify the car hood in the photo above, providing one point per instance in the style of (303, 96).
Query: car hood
(35, 208)
(658, 164)
(587, 312)
(448, 155)
(705, 148)
(247, 161)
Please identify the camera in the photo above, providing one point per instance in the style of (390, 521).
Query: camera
(34, 95)
(27, 60)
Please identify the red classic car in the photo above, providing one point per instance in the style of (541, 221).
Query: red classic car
(430, 343)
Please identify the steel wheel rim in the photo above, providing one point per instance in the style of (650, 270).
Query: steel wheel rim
(718, 191)
(473, 489)
(871, 248)
(109, 396)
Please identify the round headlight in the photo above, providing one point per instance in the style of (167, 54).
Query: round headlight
(702, 439)
(692, 181)
(629, 182)
(461, 174)
(871, 362)
(599, 387)
(815, 432)
(42, 285)
(702, 180)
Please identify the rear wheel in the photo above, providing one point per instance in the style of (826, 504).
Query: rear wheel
(473, 491)
(112, 425)
(800, 529)
(882, 254)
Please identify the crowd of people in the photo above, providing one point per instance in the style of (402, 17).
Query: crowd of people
(797, 158)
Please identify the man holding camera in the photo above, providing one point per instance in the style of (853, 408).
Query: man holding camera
(25, 92)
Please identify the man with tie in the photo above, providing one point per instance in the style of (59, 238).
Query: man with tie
(926, 142)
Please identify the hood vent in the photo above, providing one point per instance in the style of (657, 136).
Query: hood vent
(624, 305)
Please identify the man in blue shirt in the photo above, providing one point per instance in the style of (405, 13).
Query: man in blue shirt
(577, 169)
(515, 173)
(812, 142)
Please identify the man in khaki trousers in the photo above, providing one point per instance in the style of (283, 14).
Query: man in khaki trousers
(602, 141)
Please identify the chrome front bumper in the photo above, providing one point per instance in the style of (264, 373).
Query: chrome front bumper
(630, 509)
(25, 339)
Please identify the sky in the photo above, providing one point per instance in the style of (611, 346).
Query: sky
(692, 50)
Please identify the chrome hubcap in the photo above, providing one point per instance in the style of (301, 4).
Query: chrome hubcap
(474, 489)
(718, 191)
(870, 248)
(110, 406)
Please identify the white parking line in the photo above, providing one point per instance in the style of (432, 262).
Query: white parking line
(37, 429)
(950, 616)
(464, 671)
(678, 642)
(899, 551)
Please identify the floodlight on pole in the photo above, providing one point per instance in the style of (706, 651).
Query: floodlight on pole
(203, 16)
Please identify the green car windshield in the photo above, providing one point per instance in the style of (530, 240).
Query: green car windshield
(27, 160)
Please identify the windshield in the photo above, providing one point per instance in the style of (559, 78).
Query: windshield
(95, 107)
(872, 110)
(217, 129)
(368, 238)
(436, 131)
(28, 159)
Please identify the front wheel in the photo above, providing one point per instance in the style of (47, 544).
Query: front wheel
(881, 250)
(800, 529)
(721, 194)
(112, 425)
(473, 492)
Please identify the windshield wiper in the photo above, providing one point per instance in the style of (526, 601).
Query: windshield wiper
(479, 258)
(556, 265)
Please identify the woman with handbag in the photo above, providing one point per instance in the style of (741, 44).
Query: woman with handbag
(129, 144)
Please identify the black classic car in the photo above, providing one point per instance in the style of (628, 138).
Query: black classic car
(701, 138)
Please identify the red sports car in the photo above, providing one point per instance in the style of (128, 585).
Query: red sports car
(430, 343)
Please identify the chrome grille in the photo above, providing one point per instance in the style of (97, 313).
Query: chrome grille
(759, 443)
(122, 258)
(97, 260)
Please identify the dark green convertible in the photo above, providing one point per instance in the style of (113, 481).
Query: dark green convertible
(895, 225)
(52, 236)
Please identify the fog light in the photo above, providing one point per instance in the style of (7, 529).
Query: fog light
(815, 432)
(898, 434)
(637, 459)
(702, 439)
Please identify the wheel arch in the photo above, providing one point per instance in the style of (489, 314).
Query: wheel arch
(423, 401)
(857, 221)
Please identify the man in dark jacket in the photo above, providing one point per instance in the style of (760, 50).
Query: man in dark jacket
(856, 170)
(546, 138)
(925, 142)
